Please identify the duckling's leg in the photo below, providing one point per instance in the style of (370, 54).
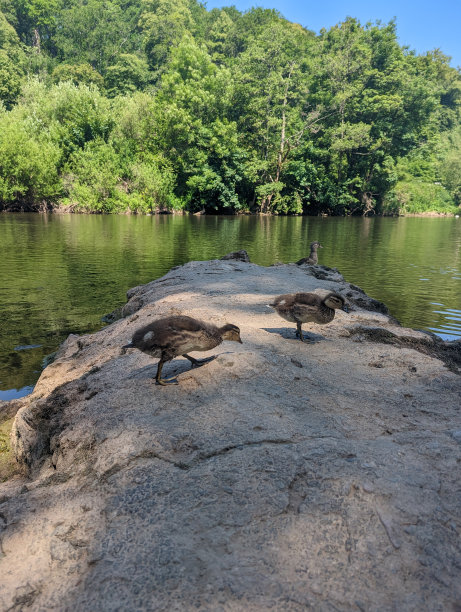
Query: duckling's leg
(196, 363)
(160, 381)
(299, 331)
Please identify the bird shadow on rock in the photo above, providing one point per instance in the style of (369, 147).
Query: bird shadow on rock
(290, 334)
(173, 368)
(170, 369)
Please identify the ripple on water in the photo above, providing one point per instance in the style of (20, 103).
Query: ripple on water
(448, 324)
(26, 347)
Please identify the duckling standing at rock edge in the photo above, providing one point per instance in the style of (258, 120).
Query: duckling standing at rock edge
(177, 335)
(302, 308)
(313, 258)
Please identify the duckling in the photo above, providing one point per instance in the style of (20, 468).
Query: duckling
(302, 308)
(313, 258)
(177, 335)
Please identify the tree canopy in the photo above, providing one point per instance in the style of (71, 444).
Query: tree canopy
(147, 105)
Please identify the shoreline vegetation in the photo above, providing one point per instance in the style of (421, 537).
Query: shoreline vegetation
(63, 211)
(161, 106)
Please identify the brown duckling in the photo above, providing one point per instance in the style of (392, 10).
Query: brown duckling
(177, 335)
(313, 258)
(302, 308)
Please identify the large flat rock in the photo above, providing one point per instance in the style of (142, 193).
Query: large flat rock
(280, 476)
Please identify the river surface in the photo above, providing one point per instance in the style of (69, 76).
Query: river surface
(59, 274)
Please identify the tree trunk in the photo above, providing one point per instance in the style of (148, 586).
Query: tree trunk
(36, 41)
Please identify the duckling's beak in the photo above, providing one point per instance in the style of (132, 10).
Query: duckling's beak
(124, 347)
(320, 246)
(240, 340)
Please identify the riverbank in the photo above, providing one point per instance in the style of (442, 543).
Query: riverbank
(66, 210)
(281, 475)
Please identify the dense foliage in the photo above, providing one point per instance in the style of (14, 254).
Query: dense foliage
(146, 105)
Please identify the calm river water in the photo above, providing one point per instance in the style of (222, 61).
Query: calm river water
(60, 274)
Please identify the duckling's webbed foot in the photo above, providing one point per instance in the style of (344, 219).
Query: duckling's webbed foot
(166, 381)
(197, 363)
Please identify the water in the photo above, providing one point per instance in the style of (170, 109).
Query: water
(60, 273)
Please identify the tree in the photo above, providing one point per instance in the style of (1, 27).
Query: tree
(36, 22)
(450, 163)
(128, 75)
(71, 115)
(193, 129)
(28, 165)
(271, 107)
(383, 104)
(165, 23)
(96, 33)
(78, 74)
(11, 63)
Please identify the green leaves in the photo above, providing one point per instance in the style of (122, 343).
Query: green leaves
(12, 59)
(129, 74)
(28, 165)
(157, 104)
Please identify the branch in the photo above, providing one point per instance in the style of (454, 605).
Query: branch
(297, 137)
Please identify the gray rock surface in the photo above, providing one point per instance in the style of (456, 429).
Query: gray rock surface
(280, 476)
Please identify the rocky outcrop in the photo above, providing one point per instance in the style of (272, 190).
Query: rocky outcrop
(281, 476)
(241, 255)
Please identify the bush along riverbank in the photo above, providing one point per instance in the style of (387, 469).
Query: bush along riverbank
(221, 112)
(332, 459)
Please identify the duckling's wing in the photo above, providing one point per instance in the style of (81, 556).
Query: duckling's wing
(183, 334)
(306, 306)
(183, 323)
(283, 301)
(305, 312)
(172, 332)
(310, 299)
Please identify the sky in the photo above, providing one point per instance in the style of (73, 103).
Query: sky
(422, 25)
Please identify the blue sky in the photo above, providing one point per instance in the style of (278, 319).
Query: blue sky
(422, 25)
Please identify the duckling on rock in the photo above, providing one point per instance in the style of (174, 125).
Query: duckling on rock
(177, 335)
(313, 258)
(302, 308)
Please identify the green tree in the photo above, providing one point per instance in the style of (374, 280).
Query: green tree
(96, 32)
(164, 24)
(78, 74)
(272, 109)
(28, 165)
(128, 75)
(220, 25)
(450, 163)
(11, 63)
(158, 104)
(93, 178)
(149, 176)
(193, 130)
(383, 104)
(10, 80)
(36, 22)
(71, 115)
